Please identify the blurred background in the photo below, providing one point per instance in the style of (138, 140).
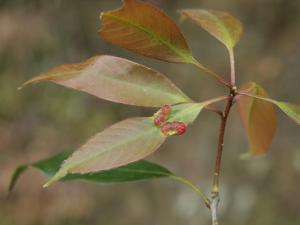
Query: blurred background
(44, 119)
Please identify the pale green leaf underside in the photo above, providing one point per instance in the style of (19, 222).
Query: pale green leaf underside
(122, 143)
(125, 142)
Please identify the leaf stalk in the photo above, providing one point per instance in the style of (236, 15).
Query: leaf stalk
(194, 188)
(232, 67)
(213, 74)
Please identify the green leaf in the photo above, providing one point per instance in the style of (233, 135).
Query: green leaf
(137, 171)
(48, 166)
(223, 26)
(141, 170)
(290, 109)
(146, 30)
(258, 118)
(186, 112)
(125, 142)
(17, 173)
(117, 80)
(52, 164)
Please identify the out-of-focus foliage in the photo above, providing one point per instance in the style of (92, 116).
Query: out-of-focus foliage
(290, 109)
(36, 35)
(258, 118)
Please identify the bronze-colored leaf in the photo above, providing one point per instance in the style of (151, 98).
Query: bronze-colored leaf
(258, 118)
(146, 30)
(290, 109)
(117, 80)
(223, 26)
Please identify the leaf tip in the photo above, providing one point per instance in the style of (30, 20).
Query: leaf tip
(101, 15)
(245, 156)
(17, 173)
(47, 184)
(59, 175)
(182, 17)
(51, 181)
(21, 86)
(26, 83)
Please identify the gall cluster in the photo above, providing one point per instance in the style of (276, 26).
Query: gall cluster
(168, 128)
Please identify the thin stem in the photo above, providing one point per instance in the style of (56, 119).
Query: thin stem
(215, 192)
(256, 96)
(232, 67)
(213, 74)
(221, 144)
(213, 109)
(194, 188)
(215, 198)
(214, 100)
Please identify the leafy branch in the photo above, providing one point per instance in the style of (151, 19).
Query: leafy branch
(116, 154)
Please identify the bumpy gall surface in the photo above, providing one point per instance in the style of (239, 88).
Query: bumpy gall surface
(171, 128)
(179, 127)
(159, 120)
(162, 116)
(166, 110)
(167, 128)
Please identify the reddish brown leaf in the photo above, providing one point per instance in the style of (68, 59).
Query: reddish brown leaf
(258, 118)
(117, 80)
(290, 109)
(144, 29)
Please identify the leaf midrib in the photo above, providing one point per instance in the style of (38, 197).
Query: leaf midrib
(178, 51)
(127, 170)
(225, 30)
(178, 96)
(110, 148)
(152, 129)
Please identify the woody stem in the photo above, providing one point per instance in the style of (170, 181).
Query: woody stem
(215, 198)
